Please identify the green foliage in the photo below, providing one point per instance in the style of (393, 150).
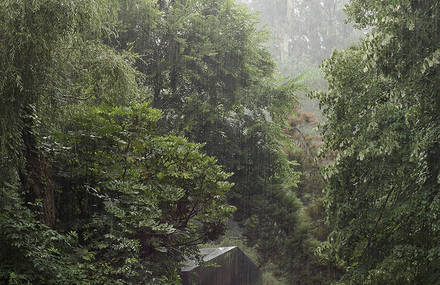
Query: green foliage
(141, 202)
(128, 204)
(101, 188)
(196, 60)
(382, 112)
(32, 253)
(213, 78)
(32, 34)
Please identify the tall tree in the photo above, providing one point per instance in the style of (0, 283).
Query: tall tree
(139, 202)
(33, 36)
(37, 38)
(129, 204)
(213, 77)
(383, 122)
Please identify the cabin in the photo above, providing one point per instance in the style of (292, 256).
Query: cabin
(221, 266)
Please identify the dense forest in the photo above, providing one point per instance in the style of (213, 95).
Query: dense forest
(133, 132)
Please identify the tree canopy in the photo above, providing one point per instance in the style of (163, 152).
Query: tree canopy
(116, 117)
(134, 132)
(382, 110)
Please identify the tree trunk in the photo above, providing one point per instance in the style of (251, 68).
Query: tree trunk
(35, 177)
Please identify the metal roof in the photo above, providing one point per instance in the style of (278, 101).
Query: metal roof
(207, 255)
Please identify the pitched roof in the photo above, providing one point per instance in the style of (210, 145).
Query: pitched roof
(207, 255)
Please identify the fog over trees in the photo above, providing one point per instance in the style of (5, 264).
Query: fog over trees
(304, 33)
(134, 132)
